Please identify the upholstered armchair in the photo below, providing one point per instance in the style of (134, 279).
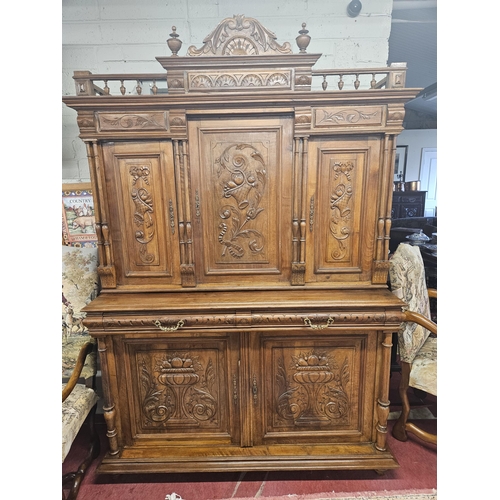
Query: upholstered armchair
(417, 337)
(79, 360)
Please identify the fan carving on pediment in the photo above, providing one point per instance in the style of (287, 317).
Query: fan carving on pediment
(240, 36)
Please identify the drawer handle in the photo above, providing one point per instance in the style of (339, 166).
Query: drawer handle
(329, 322)
(179, 324)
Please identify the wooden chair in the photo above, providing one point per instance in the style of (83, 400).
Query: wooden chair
(417, 337)
(79, 361)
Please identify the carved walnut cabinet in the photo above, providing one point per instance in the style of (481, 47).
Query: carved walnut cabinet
(243, 223)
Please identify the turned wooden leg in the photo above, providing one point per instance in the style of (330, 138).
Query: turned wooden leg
(95, 447)
(383, 402)
(399, 429)
(93, 453)
(108, 407)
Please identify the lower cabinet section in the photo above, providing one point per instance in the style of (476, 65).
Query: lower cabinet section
(254, 389)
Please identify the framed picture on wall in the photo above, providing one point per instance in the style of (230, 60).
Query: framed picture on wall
(78, 216)
(400, 163)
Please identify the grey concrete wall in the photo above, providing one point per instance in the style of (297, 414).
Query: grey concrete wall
(125, 36)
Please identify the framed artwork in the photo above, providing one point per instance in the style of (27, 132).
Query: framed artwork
(400, 163)
(78, 216)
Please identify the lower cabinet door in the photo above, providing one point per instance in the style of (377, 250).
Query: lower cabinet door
(178, 389)
(315, 387)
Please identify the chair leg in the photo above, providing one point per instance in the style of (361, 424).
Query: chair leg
(93, 453)
(399, 429)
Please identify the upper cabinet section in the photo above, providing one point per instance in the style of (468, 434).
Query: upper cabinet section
(250, 169)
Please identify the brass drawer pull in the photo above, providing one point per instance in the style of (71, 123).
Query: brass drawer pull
(179, 324)
(329, 322)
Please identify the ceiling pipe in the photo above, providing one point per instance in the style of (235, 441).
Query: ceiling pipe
(413, 4)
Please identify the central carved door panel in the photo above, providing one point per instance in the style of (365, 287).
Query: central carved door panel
(241, 180)
(343, 200)
(143, 216)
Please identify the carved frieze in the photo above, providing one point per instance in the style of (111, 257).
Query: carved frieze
(108, 122)
(336, 116)
(251, 79)
(232, 320)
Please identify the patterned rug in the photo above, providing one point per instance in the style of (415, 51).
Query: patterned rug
(366, 495)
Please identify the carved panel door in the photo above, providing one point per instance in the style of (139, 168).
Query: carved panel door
(315, 387)
(180, 388)
(242, 185)
(343, 200)
(143, 215)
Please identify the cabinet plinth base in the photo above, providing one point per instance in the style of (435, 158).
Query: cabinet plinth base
(257, 458)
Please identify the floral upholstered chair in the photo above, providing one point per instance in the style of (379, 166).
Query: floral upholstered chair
(79, 359)
(417, 337)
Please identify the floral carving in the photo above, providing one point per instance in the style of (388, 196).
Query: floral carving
(340, 221)
(178, 390)
(144, 210)
(240, 46)
(347, 116)
(243, 79)
(242, 175)
(201, 81)
(278, 80)
(140, 172)
(130, 122)
(225, 81)
(251, 81)
(314, 390)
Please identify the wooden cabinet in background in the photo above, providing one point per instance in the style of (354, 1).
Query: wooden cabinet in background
(407, 204)
(243, 225)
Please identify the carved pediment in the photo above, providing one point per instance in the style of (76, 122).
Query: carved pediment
(240, 36)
